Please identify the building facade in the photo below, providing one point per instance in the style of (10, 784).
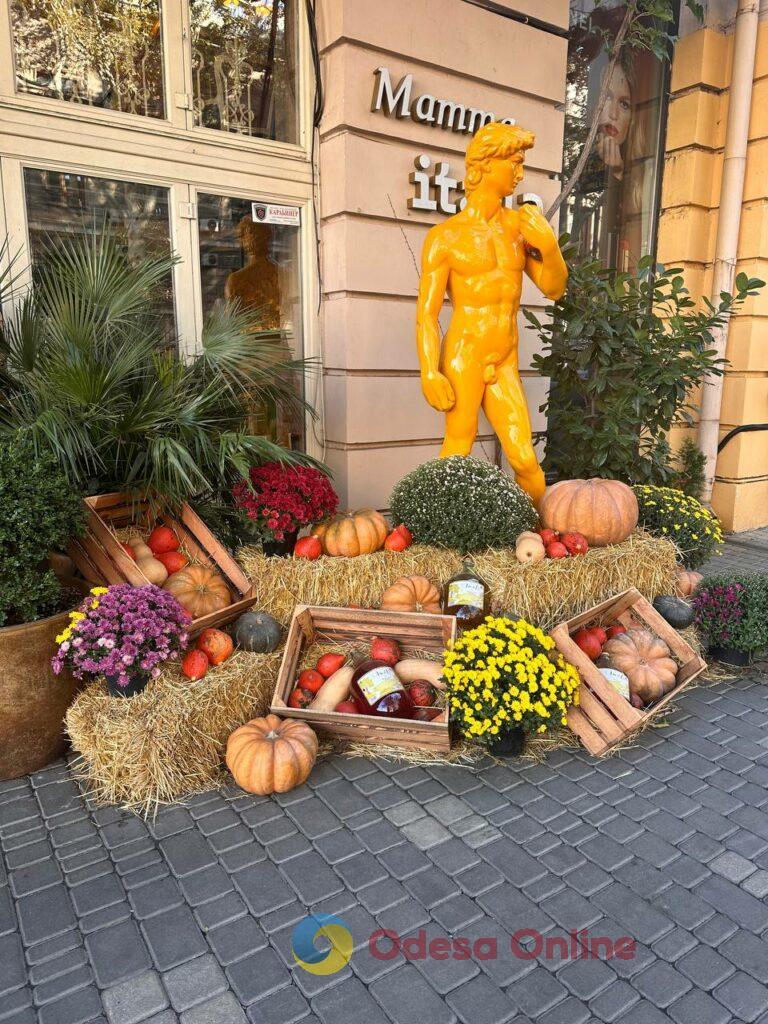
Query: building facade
(294, 154)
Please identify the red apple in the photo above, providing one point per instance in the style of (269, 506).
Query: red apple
(600, 633)
(615, 630)
(195, 664)
(300, 698)
(310, 680)
(548, 536)
(556, 550)
(308, 547)
(576, 543)
(347, 707)
(329, 663)
(386, 650)
(215, 644)
(588, 642)
(162, 539)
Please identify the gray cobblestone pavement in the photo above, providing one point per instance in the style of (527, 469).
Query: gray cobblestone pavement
(190, 917)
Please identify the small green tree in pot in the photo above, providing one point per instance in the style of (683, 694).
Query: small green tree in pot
(624, 354)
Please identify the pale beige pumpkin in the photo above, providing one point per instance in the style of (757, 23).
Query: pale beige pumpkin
(271, 755)
(646, 661)
(359, 533)
(200, 589)
(687, 581)
(604, 511)
(412, 594)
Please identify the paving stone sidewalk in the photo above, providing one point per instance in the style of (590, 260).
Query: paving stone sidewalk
(190, 917)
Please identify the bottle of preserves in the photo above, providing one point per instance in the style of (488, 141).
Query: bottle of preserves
(466, 596)
(618, 680)
(377, 690)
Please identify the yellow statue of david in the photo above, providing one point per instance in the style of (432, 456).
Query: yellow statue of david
(478, 256)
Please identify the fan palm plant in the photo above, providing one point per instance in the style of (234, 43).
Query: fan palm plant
(87, 374)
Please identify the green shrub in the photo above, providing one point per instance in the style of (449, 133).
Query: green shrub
(666, 512)
(38, 512)
(462, 503)
(732, 611)
(688, 469)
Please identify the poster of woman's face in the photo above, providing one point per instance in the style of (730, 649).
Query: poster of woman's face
(615, 120)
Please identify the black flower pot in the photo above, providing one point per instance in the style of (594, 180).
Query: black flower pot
(511, 744)
(281, 548)
(731, 656)
(136, 684)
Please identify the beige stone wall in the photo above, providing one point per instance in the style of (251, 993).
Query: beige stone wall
(378, 426)
(690, 198)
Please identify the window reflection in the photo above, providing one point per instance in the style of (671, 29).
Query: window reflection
(244, 66)
(101, 53)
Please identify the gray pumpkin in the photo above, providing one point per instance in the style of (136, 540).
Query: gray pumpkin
(257, 632)
(677, 612)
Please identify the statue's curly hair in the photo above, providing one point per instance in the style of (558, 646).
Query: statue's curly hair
(494, 140)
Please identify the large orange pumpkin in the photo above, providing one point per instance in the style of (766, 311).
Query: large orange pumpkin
(200, 589)
(686, 582)
(412, 594)
(271, 755)
(647, 662)
(359, 533)
(604, 511)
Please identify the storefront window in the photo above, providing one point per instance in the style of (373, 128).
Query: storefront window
(244, 66)
(611, 212)
(63, 205)
(248, 259)
(101, 53)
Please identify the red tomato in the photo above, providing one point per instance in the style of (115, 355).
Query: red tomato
(386, 650)
(615, 630)
(162, 539)
(548, 536)
(347, 707)
(556, 550)
(329, 663)
(576, 543)
(308, 547)
(310, 680)
(172, 560)
(195, 664)
(588, 642)
(396, 541)
(216, 644)
(300, 698)
(129, 551)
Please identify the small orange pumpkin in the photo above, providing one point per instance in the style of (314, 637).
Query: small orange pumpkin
(359, 533)
(200, 589)
(271, 755)
(604, 511)
(686, 582)
(646, 661)
(412, 594)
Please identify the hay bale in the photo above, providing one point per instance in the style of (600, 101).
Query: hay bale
(168, 741)
(545, 593)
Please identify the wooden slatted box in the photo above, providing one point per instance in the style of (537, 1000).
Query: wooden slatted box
(415, 632)
(101, 559)
(603, 717)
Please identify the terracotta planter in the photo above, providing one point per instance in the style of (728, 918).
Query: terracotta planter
(33, 701)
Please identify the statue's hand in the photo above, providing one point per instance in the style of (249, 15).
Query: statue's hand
(535, 229)
(438, 391)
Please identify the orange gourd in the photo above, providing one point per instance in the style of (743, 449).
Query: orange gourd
(271, 755)
(604, 511)
(412, 594)
(647, 662)
(200, 589)
(687, 581)
(359, 533)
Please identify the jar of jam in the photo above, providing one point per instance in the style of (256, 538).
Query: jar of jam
(466, 596)
(377, 690)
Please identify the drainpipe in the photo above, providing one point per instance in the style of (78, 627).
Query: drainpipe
(731, 195)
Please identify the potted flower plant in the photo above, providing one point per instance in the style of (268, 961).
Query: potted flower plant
(278, 500)
(732, 616)
(505, 680)
(124, 633)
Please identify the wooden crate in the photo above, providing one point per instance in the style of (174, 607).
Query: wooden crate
(101, 559)
(414, 632)
(603, 717)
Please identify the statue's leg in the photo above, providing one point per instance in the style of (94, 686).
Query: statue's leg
(461, 420)
(506, 407)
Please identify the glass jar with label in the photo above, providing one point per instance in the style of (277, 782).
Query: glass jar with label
(377, 690)
(466, 596)
(618, 680)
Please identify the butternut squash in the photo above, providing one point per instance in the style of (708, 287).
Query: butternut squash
(334, 690)
(410, 669)
(152, 568)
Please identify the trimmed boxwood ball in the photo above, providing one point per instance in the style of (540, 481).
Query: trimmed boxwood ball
(257, 632)
(462, 503)
(677, 612)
